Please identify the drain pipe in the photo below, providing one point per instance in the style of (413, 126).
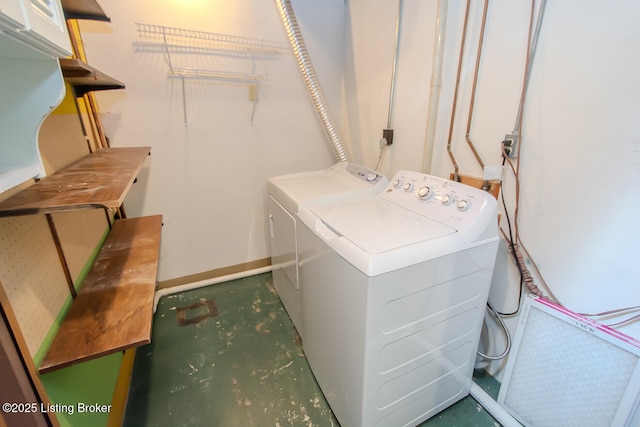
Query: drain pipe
(305, 66)
(498, 412)
(207, 282)
(436, 84)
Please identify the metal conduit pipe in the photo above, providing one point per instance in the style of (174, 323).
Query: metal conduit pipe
(394, 67)
(436, 84)
(305, 66)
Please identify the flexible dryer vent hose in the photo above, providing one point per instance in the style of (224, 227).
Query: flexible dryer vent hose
(308, 73)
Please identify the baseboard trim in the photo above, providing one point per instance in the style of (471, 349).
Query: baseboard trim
(212, 274)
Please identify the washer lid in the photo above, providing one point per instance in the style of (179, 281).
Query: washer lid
(377, 225)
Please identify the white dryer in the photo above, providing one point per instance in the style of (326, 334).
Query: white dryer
(395, 288)
(290, 193)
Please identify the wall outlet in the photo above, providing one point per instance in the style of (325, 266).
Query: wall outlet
(510, 144)
(387, 135)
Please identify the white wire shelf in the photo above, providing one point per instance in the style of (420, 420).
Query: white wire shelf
(179, 37)
(192, 54)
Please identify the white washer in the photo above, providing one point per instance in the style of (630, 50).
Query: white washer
(290, 193)
(395, 288)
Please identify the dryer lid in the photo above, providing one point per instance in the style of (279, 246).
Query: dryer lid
(339, 182)
(377, 225)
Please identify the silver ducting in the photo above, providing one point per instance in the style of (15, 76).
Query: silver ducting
(305, 66)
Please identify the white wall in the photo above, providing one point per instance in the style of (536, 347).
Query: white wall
(208, 179)
(580, 166)
(368, 70)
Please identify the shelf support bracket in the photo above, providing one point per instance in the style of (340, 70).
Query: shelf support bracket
(253, 98)
(184, 103)
(63, 258)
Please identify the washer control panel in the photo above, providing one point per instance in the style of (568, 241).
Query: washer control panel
(448, 202)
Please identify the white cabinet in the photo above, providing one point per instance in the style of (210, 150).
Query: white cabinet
(46, 26)
(11, 15)
(30, 89)
(40, 24)
(33, 34)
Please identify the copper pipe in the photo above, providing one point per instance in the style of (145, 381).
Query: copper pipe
(475, 84)
(456, 176)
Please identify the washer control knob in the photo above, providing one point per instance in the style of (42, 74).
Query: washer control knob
(407, 187)
(446, 199)
(425, 193)
(372, 177)
(463, 205)
(396, 183)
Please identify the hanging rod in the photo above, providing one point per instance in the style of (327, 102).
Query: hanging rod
(226, 75)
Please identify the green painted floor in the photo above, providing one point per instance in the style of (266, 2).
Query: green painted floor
(228, 355)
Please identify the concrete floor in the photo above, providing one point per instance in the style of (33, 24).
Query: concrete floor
(228, 355)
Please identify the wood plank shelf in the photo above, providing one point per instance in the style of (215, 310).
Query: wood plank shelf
(99, 180)
(114, 308)
(84, 78)
(84, 9)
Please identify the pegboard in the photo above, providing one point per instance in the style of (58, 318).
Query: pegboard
(32, 276)
(80, 232)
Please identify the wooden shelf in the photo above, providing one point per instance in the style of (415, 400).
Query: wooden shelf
(99, 180)
(114, 308)
(84, 78)
(84, 9)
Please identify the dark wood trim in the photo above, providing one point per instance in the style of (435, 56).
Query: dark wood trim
(63, 259)
(28, 367)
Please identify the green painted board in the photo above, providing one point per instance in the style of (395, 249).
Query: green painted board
(81, 394)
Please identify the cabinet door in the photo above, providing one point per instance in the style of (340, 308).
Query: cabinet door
(11, 16)
(46, 26)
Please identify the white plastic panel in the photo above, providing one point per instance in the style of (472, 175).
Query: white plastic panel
(580, 372)
(284, 258)
(377, 226)
(407, 338)
(284, 251)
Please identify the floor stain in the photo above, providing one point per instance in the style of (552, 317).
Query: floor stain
(205, 309)
(243, 368)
